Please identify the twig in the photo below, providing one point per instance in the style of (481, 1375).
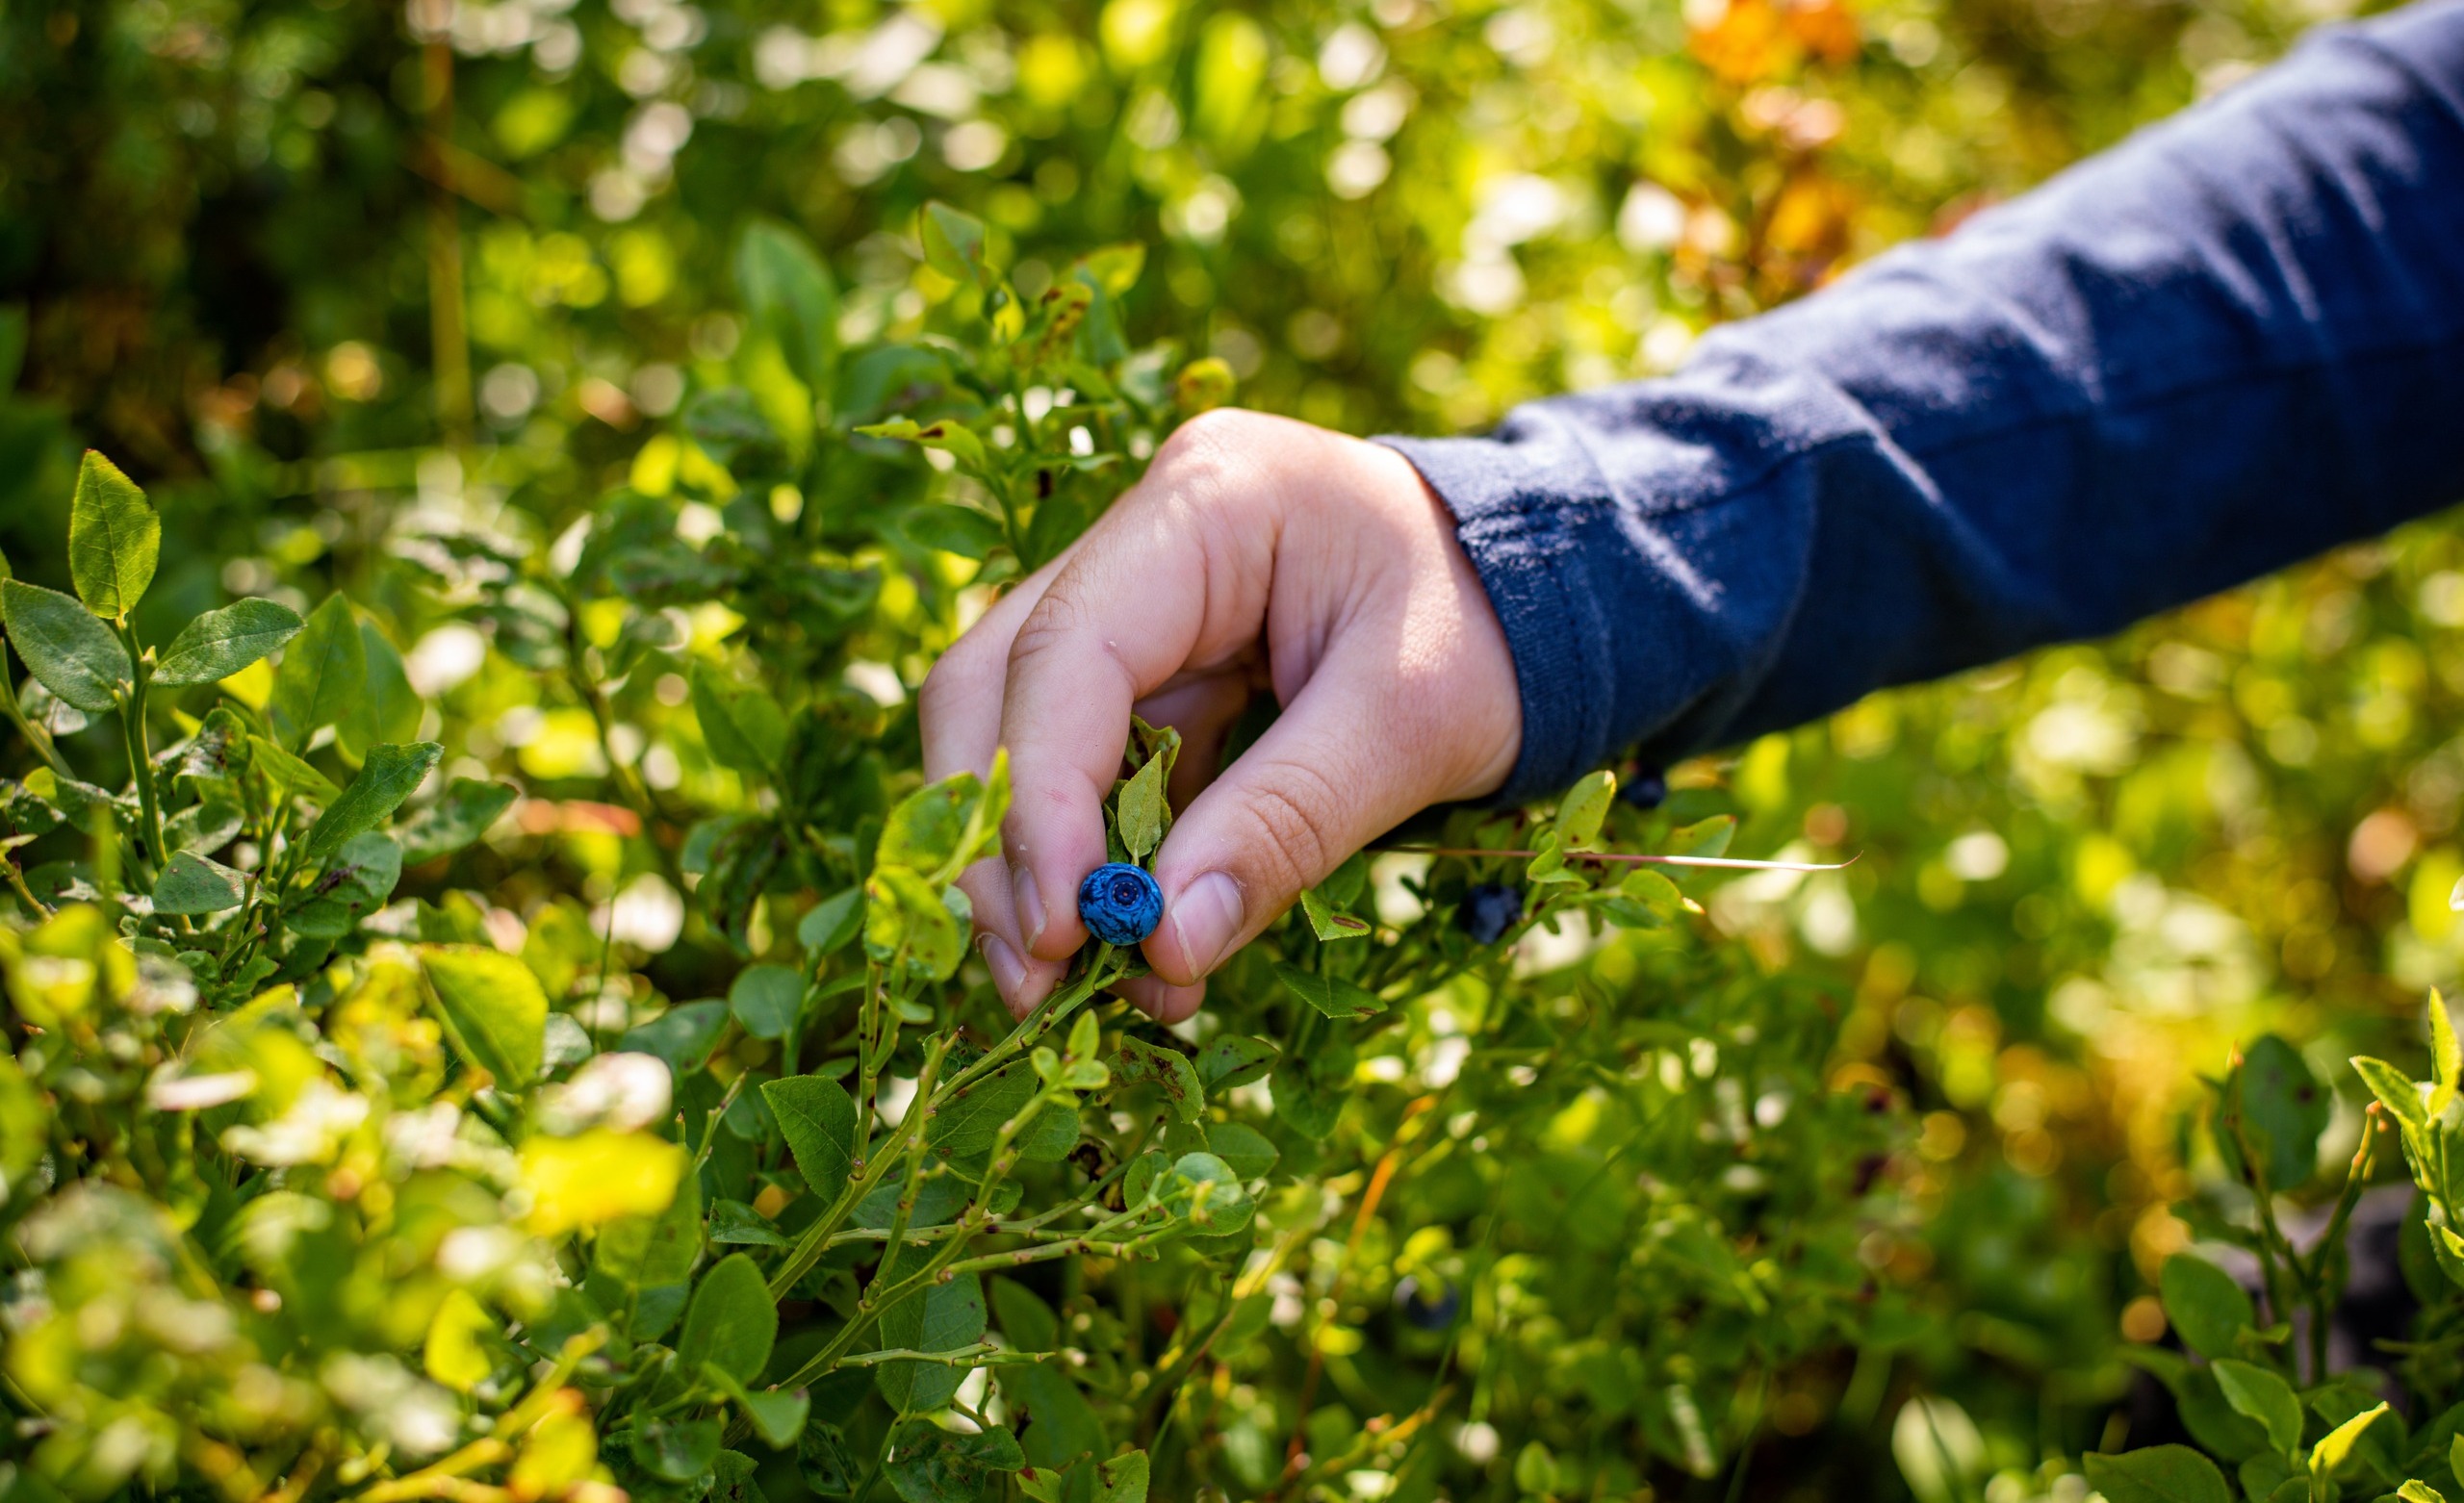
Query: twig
(1626, 858)
(983, 1354)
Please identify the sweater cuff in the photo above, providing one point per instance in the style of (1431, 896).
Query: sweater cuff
(1516, 511)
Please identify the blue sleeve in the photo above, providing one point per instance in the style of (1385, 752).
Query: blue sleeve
(2230, 343)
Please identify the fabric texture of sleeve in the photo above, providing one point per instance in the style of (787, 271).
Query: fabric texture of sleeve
(2230, 343)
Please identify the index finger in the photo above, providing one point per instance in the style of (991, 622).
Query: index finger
(1161, 584)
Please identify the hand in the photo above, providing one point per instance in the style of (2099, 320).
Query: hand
(1257, 552)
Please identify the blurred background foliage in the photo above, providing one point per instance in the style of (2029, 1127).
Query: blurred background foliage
(328, 276)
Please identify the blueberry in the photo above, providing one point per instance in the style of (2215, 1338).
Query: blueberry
(1646, 791)
(1120, 904)
(1488, 911)
(1421, 1310)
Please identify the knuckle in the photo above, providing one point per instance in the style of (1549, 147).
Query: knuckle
(1289, 809)
(1049, 628)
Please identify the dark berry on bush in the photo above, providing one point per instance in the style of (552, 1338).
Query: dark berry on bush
(1488, 911)
(1645, 791)
(1425, 1310)
(1120, 904)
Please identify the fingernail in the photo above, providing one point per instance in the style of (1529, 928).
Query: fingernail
(1206, 918)
(1008, 970)
(1029, 902)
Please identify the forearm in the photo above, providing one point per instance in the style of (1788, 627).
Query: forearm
(2230, 343)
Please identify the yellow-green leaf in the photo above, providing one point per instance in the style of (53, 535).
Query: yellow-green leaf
(114, 539)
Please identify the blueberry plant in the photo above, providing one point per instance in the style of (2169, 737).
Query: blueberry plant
(458, 328)
(330, 1174)
(2250, 1373)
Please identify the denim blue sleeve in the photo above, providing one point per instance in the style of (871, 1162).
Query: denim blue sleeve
(2228, 344)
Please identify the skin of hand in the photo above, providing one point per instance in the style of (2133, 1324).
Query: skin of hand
(1257, 552)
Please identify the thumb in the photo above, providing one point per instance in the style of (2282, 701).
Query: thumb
(1331, 774)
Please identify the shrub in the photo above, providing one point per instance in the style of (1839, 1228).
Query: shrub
(332, 1174)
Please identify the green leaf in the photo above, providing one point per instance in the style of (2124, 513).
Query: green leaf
(953, 243)
(766, 999)
(731, 1324)
(68, 652)
(1121, 1479)
(948, 434)
(2446, 1058)
(904, 913)
(945, 827)
(493, 1005)
(1230, 1060)
(735, 1224)
(788, 293)
(1030, 1324)
(961, 530)
(2395, 1090)
(1330, 995)
(290, 774)
(1243, 1149)
(828, 925)
(1141, 1062)
(1328, 921)
(461, 816)
(2157, 1474)
(355, 884)
(219, 644)
(941, 1318)
(114, 539)
(322, 679)
(2284, 1108)
(970, 1121)
(1202, 1189)
(680, 1450)
(2255, 1391)
(818, 1119)
(2205, 1304)
(777, 1417)
(1142, 812)
(1584, 809)
(652, 1252)
(1706, 837)
(743, 727)
(733, 1480)
(825, 1463)
(931, 1465)
(2419, 1491)
(2338, 1444)
(191, 883)
(390, 711)
(1062, 1428)
(390, 775)
(682, 1035)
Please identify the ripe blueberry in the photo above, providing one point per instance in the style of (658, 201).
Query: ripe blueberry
(1488, 911)
(1120, 904)
(1430, 1313)
(1646, 791)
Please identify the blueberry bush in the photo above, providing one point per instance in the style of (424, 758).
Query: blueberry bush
(488, 1015)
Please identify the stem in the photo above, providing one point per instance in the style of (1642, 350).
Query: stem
(18, 884)
(809, 1247)
(981, 1355)
(2333, 1240)
(141, 755)
(868, 1059)
(36, 736)
(1029, 1032)
(1626, 858)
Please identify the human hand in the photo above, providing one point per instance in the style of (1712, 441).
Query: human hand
(1256, 552)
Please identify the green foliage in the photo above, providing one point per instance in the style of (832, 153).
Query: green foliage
(418, 1141)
